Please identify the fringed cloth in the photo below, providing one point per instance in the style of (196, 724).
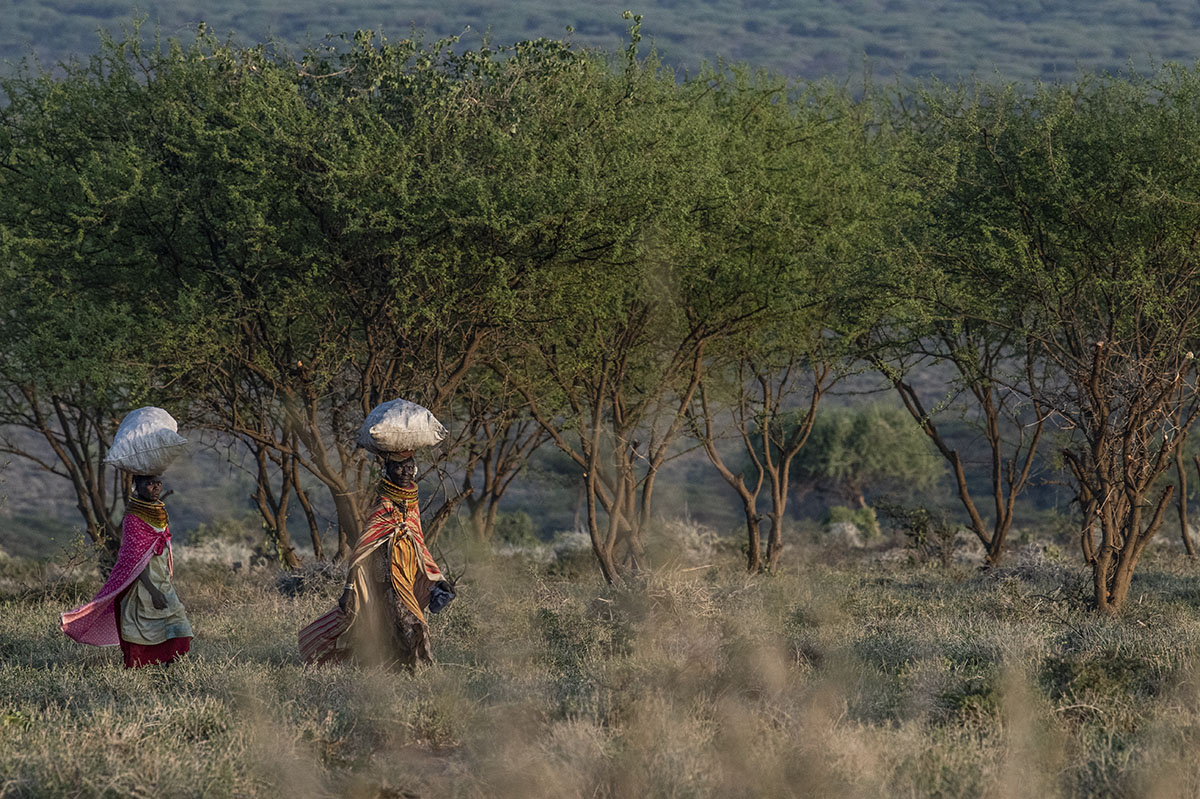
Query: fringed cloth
(96, 622)
(395, 523)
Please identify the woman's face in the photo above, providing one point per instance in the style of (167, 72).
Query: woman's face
(403, 472)
(147, 489)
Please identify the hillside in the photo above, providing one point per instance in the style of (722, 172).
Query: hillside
(1026, 40)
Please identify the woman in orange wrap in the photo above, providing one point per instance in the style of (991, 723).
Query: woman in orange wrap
(380, 617)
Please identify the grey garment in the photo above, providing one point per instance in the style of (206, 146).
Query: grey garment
(141, 622)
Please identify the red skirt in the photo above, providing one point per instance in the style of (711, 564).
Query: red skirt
(150, 654)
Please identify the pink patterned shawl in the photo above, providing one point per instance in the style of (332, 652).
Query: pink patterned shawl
(95, 623)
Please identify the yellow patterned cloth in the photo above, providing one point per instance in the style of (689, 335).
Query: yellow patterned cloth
(404, 573)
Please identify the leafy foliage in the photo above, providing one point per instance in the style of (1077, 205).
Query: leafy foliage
(856, 450)
(1075, 208)
(541, 243)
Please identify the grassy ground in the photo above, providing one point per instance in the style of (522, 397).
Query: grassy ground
(864, 676)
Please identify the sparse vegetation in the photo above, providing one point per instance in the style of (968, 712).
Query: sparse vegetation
(562, 249)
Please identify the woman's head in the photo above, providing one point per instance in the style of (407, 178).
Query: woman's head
(147, 487)
(400, 469)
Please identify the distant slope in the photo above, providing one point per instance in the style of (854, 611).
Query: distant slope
(1018, 40)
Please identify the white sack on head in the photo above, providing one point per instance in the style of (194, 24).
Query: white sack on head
(146, 442)
(399, 426)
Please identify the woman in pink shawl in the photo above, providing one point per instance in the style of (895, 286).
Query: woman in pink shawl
(137, 608)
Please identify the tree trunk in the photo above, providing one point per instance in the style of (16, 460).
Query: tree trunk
(1183, 505)
(1112, 572)
(754, 562)
(314, 532)
(348, 525)
(775, 541)
(283, 541)
(273, 509)
(489, 519)
(747, 495)
(1119, 591)
(1100, 580)
(602, 552)
(477, 508)
(996, 548)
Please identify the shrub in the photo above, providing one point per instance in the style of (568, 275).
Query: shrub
(929, 532)
(862, 518)
(515, 528)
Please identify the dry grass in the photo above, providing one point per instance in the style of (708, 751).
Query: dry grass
(869, 678)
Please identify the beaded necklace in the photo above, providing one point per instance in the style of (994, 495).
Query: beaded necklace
(404, 497)
(152, 513)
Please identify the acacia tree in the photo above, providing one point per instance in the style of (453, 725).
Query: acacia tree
(503, 436)
(70, 434)
(80, 328)
(1185, 532)
(810, 215)
(995, 373)
(329, 233)
(1181, 507)
(102, 240)
(322, 234)
(676, 246)
(594, 359)
(233, 408)
(424, 224)
(1081, 209)
(945, 291)
(771, 438)
(310, 205)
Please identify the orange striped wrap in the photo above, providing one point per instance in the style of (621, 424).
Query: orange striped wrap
(327, 638)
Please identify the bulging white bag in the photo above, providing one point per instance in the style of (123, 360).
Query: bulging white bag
(146, 442)
(399, 426)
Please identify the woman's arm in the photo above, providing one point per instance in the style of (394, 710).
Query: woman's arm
(157, 597)
(346, 600)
